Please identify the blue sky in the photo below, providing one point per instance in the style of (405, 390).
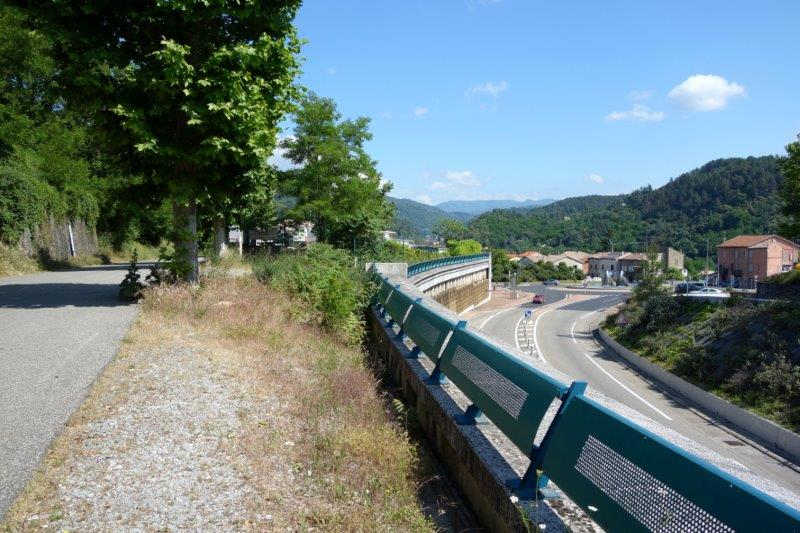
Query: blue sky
(480, 99)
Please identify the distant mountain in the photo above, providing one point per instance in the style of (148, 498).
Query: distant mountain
(415, 219)
(721, 199)
(476, 207)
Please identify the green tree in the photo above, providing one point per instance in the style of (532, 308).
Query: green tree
(790, 190)
(191, 93)
(450, 229)
(464, 247)
(336, 184)
(501, 265)
(43, 165)
(651, 280)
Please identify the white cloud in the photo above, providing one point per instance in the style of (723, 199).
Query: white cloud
(462, 178)
(705, 92)
(420, 111)
(596, 178)
(331, 71)
(424, 198)
(386, 115)
(489, 88)
(638, 113)
(640, 96)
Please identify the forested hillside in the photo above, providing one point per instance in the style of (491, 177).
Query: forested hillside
(723, 198)
(477, 207)
(415, 219)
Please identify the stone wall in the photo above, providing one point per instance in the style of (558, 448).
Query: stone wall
(52, 238)
(460, 293)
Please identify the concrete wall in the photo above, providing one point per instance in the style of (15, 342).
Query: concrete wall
(457, 287)
(53, 238)
(461, 293)
(781, 440)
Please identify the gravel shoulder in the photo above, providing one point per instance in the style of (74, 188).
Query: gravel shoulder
(223, 411)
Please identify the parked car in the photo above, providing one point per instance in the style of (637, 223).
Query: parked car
(537, 299)
(708, 294)
(685, 287)
(550, 282)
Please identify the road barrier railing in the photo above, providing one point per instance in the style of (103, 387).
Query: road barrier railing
(419, 268)
(625, 477)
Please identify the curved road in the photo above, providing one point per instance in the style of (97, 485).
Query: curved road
(57, 332)
(564, 340)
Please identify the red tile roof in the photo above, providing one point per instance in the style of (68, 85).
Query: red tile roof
(749, 241)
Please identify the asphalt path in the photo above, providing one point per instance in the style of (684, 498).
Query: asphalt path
(564, 339)
(58, 330)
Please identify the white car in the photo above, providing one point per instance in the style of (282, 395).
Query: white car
(708, 292)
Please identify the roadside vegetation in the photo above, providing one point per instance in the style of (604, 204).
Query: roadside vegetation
(745, 352)
(320, 445)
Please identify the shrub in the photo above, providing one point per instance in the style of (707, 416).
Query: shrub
(660, 311)
(329, 283)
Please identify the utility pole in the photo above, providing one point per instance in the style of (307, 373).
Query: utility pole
(706, 276)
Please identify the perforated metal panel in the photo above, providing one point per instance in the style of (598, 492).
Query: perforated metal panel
(428, 334)
(397, 304)
(428, 329)
(653, 503)
(504, 393)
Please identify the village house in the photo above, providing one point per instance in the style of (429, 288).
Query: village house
(745, 259)
(579, 260)
(527, 258)
(625, 265)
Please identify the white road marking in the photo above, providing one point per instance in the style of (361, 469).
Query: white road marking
(572, 329)
(604, 371)
(535, 342)
(516, 332)
(618, 382)
(483, 324)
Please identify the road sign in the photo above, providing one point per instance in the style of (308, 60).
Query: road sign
(528, 313)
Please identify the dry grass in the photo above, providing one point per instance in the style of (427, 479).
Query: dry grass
(14, 262)
(320, 448)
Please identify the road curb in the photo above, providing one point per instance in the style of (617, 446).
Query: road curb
(767, 433)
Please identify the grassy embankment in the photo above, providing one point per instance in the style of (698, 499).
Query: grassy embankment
(294, 338)
(14, 262)
(744, 352)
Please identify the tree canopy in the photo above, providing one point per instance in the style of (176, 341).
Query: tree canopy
(721, 199)
(188, 95)
(790, 190)
(335, 181)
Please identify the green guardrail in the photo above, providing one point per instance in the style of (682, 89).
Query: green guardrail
(625, 477)
(418, 268)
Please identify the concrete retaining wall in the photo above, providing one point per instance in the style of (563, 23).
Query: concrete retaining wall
(458, 287)
(52, 238)
(782, 441)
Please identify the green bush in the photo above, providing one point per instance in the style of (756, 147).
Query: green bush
(542, 270)
(333, 288)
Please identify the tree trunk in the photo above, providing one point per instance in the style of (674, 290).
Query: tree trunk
(220, 237)
(185, 240)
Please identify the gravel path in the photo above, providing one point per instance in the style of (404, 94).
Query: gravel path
(161, 458)
(57, 332)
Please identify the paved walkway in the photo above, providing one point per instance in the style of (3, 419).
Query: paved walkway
(57, 332)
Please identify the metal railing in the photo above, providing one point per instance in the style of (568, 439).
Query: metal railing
(625, 477)
(418, 268)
